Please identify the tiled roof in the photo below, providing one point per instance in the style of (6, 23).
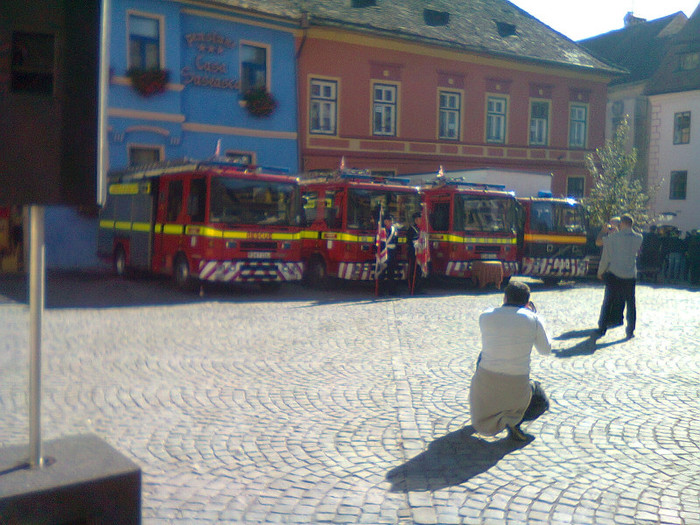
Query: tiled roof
(492, 27)
(639, 48)
(669, 77)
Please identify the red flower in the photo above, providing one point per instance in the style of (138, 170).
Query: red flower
(148, 82)
(259, 102)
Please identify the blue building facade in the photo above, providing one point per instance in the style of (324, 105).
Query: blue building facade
(213, 56)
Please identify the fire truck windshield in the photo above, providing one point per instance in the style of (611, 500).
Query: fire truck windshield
(364, 205)
(557, 217)
(254, 202)
(485, 214)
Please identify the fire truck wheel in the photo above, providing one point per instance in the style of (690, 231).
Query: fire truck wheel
(120, 267)
(181, 273)
(316, 274)
(550, 282)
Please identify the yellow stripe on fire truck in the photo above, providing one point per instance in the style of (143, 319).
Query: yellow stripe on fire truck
(172, 229)
(474, 240)
(206, 231)
(202, 231)
(132, 188)
(561, 239)
(347, 237)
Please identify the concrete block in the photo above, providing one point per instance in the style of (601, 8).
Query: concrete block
(84, 481)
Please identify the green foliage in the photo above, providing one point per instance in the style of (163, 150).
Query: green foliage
(615, 190)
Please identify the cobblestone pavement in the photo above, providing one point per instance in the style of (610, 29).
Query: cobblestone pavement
(306, 406)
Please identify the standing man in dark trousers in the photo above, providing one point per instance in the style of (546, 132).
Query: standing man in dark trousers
(618, 265)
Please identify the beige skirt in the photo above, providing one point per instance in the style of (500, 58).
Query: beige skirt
(497, 400)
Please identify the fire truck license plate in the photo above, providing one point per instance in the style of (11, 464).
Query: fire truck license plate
(259, 255)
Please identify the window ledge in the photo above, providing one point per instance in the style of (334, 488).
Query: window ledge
(126, 81)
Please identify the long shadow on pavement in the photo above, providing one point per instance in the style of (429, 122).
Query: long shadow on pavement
(450, 461)
(586, 347)
(76, 289)
(102, 289)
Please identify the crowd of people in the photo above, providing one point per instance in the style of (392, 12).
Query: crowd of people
(669, 256)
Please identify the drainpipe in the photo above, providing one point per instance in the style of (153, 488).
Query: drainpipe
(304, 24)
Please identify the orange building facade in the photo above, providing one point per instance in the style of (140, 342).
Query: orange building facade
(402, 107)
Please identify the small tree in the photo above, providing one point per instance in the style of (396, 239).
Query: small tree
(615, 191)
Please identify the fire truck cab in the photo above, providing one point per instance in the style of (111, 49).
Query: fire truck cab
(470, 222)
(554, 238)
(212, 221)
(341, 213)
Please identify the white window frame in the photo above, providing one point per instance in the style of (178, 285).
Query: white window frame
(689, 61)
(151, 147)
(237, 156)
(268, 55)
(324, 105)
(161, 36)
(681, 135)
(449, 115)
(578, 125)
(673, 195)
(538, 134)
(496, 119)
(384, 107)
(577, 178)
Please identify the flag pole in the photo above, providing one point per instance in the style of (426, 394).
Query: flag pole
(378, 243)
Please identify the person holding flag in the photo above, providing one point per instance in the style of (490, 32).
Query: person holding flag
(386, 263)
(416, 249)
(423, 247)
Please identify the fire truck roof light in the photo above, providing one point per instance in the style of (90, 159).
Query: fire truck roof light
(461, 182)
(358, 175)
(366, 175)
(544, 194)
(243, 166)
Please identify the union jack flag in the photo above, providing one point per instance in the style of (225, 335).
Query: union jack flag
(382, 255)
(422, 246)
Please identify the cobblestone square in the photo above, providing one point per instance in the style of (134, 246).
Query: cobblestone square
(306, 406)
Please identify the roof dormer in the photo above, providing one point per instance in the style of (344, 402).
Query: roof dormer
(433, 17)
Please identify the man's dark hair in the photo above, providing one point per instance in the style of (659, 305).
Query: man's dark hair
(517, 293)
(627, 219)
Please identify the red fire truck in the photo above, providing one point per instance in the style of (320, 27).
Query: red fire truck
(211, 221)
(341, 210)
(554, 238)
(470, 222)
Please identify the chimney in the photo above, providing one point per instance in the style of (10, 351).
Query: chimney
(631, 20)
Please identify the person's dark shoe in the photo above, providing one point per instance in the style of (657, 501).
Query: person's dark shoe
(515, 433)
(630, 335)
(599, 332)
